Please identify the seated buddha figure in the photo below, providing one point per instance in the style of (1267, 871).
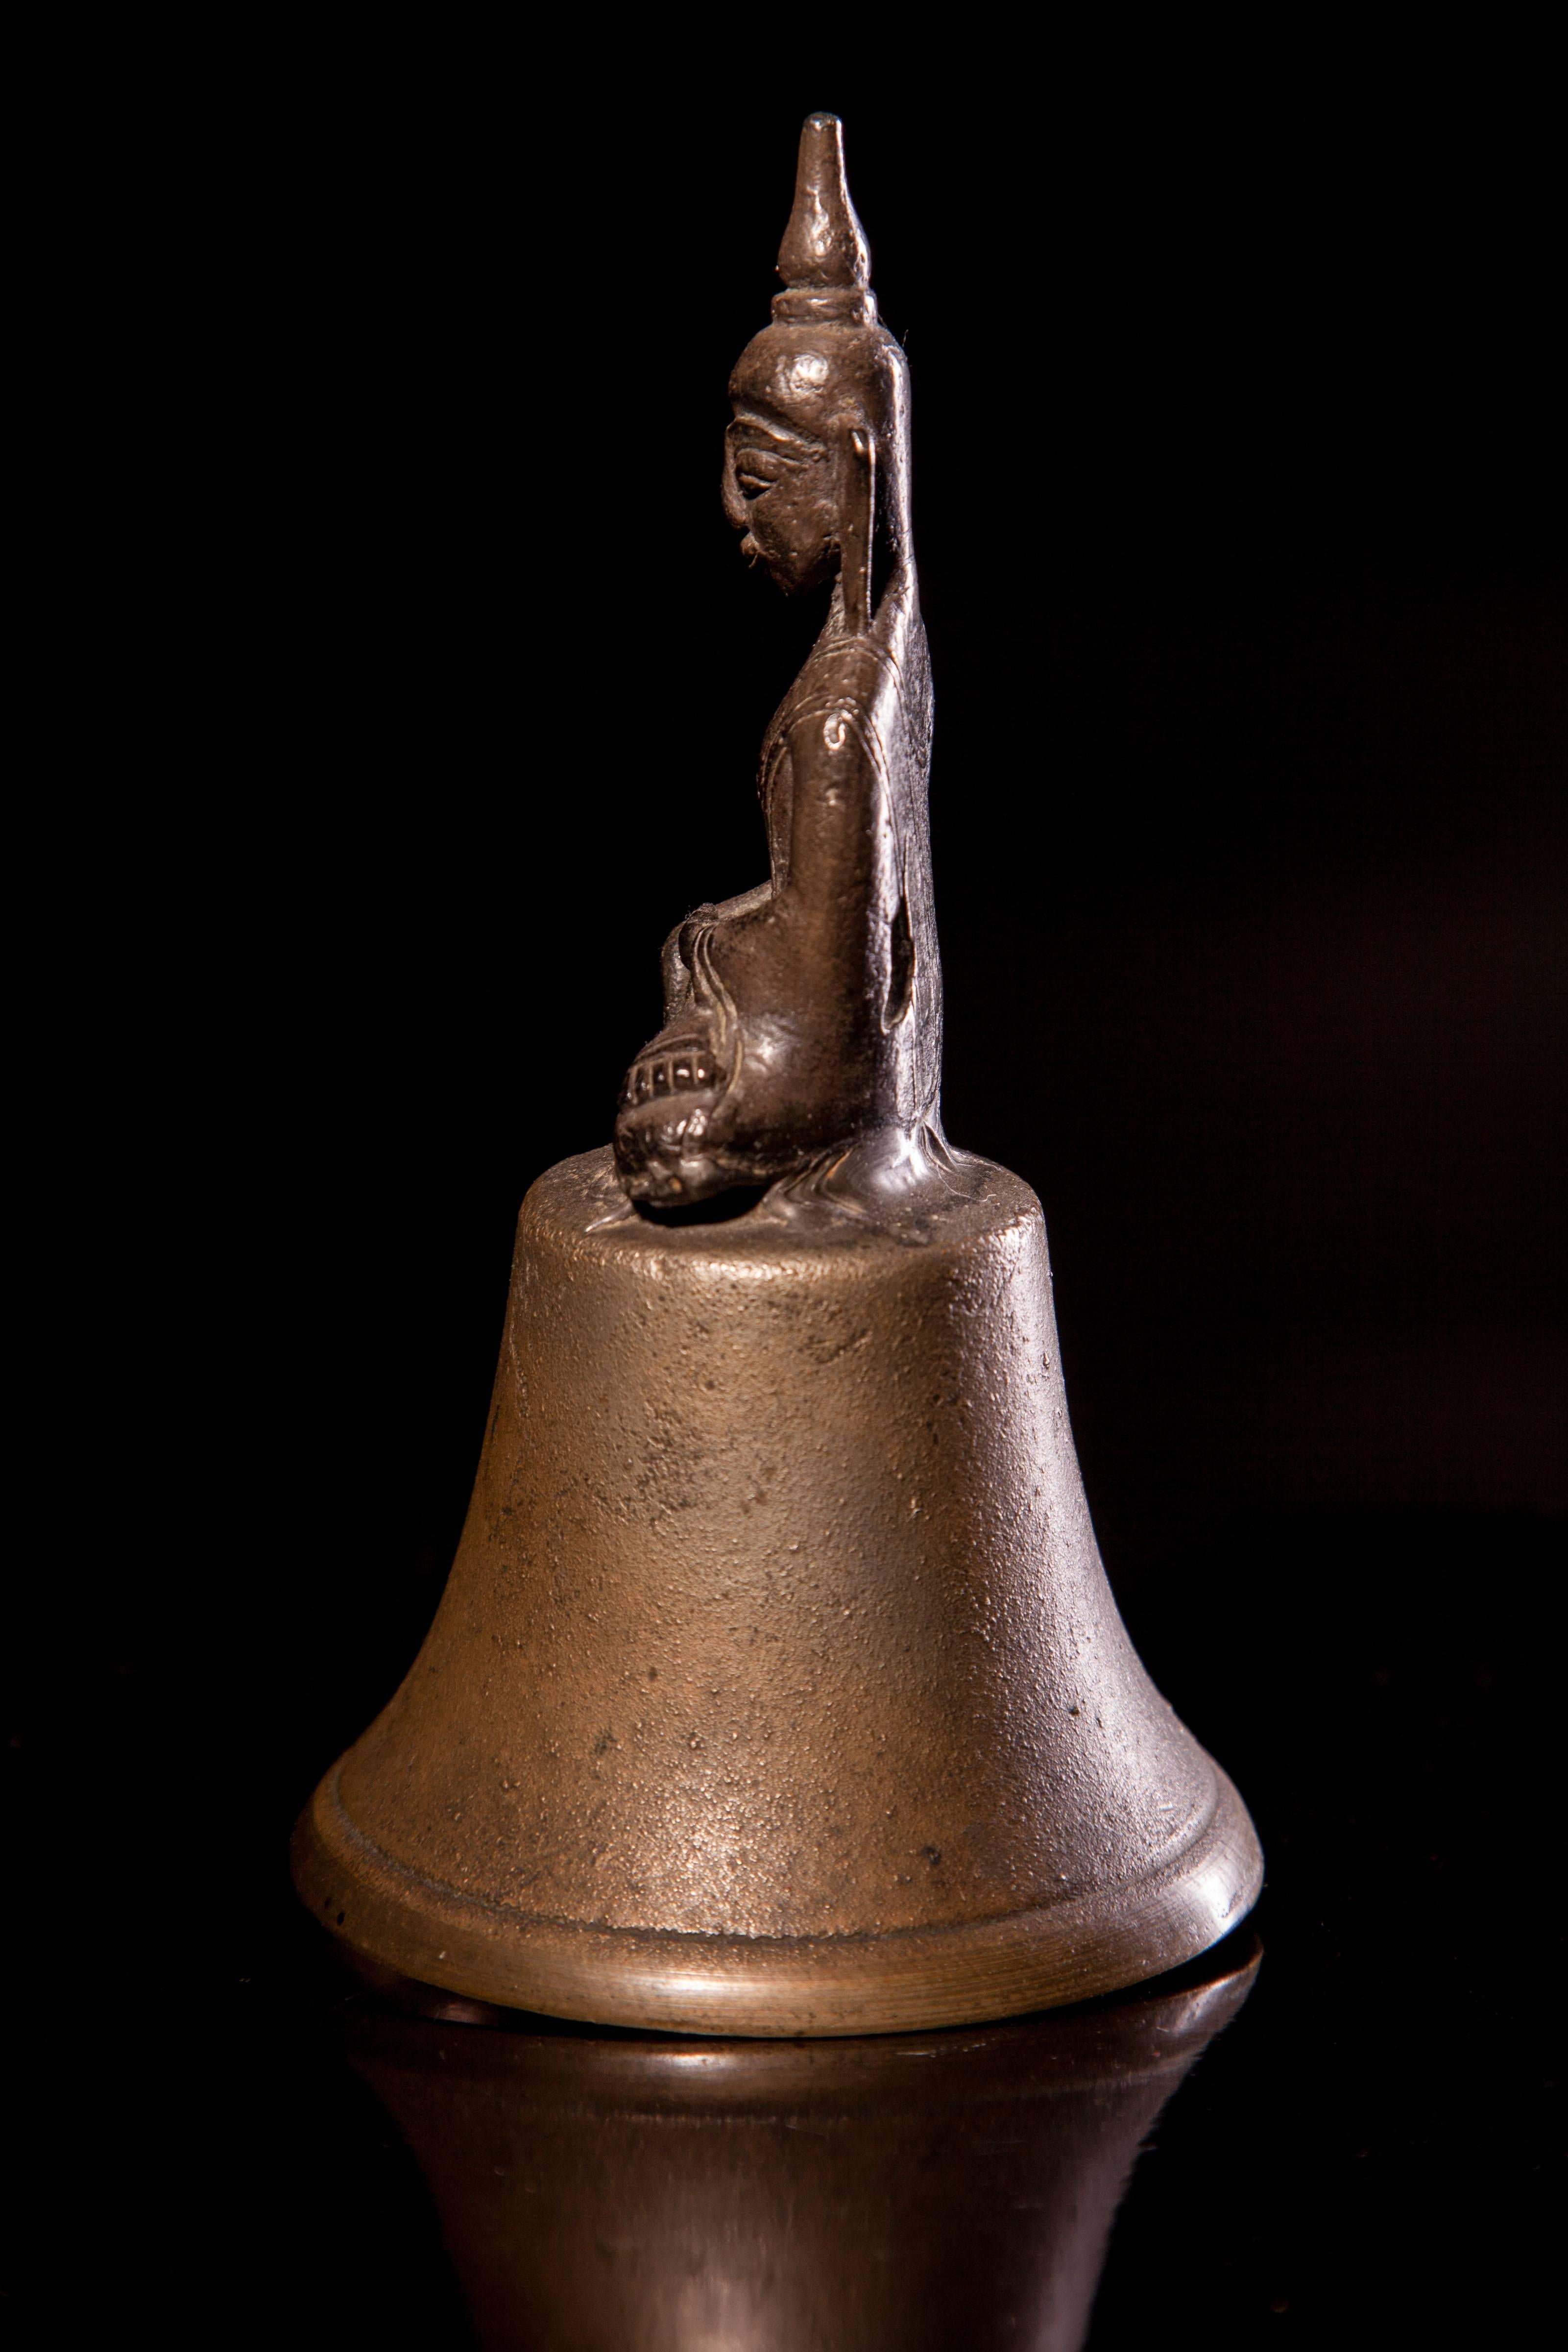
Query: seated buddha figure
(802, 1019)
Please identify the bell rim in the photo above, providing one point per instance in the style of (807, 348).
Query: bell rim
(903, 1980)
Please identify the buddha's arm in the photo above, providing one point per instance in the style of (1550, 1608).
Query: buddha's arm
(810, 946)
(749, 903)
(675, 963)
(831, 903)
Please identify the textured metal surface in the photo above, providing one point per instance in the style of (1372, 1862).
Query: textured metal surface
(778, 1687)
(805, 1016)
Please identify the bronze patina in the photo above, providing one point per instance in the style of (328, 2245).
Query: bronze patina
(803, 1019)
(777, 1688)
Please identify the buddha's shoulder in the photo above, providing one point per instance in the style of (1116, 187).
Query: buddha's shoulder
(879, 683)
(863, 671)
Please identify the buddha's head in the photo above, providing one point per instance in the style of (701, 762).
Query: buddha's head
(820, 441)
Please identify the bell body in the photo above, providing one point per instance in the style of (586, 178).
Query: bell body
(777, 1688)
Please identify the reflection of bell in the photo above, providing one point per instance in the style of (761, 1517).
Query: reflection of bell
(777, 1688)
(877, 2195)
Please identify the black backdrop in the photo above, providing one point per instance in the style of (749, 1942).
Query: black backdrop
(1238, 524)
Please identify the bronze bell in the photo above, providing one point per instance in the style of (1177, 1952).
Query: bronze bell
(777, 1688)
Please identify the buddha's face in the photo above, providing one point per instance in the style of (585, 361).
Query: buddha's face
(781, 490)
(786, 453)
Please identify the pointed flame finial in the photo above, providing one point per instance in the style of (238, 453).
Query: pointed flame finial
(824, 261)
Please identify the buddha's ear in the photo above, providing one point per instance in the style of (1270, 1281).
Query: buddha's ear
(734, 502)
(859, 528)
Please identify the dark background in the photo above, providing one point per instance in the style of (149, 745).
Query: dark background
(1239, 512)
